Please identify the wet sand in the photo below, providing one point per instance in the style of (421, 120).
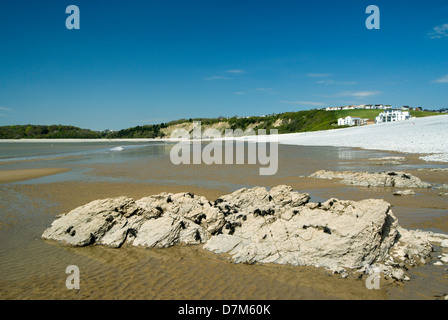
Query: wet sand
(8, 162)
(31, 268)
(69, 195)
(179, 273)
(183, 272)
(27, 174)
(193, 273)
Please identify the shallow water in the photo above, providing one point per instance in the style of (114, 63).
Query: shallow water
(31, 268)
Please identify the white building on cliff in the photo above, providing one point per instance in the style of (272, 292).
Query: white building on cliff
(351, 121)
(393, 115)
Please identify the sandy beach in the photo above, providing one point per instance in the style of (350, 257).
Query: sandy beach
(419, 136)
(426, 136)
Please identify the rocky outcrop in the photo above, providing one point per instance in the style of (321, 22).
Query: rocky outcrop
(434, 169)
(374, 179)
(388, 161)
(254, 226)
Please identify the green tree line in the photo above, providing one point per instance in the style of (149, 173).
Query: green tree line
(47, 132)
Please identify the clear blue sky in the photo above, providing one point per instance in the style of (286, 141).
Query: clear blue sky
(140, 62)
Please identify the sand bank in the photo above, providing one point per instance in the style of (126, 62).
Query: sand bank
(37, 159)
(27, 174)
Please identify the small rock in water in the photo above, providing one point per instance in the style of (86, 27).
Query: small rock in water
(444, 243)
(388, 159)
(404, 193)
(387, 163)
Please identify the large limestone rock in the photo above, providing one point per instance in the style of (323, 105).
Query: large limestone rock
(254, 226)
(373, 179)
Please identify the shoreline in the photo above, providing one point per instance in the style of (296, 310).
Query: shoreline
(75, 140)
(424, 136)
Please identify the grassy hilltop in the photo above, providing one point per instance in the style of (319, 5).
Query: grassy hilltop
(288, 122)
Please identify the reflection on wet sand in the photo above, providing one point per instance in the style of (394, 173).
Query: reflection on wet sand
(181, 273)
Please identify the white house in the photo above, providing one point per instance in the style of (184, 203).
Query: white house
(351, 121)
(333, 108)
(393, 115)
(359, 106)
